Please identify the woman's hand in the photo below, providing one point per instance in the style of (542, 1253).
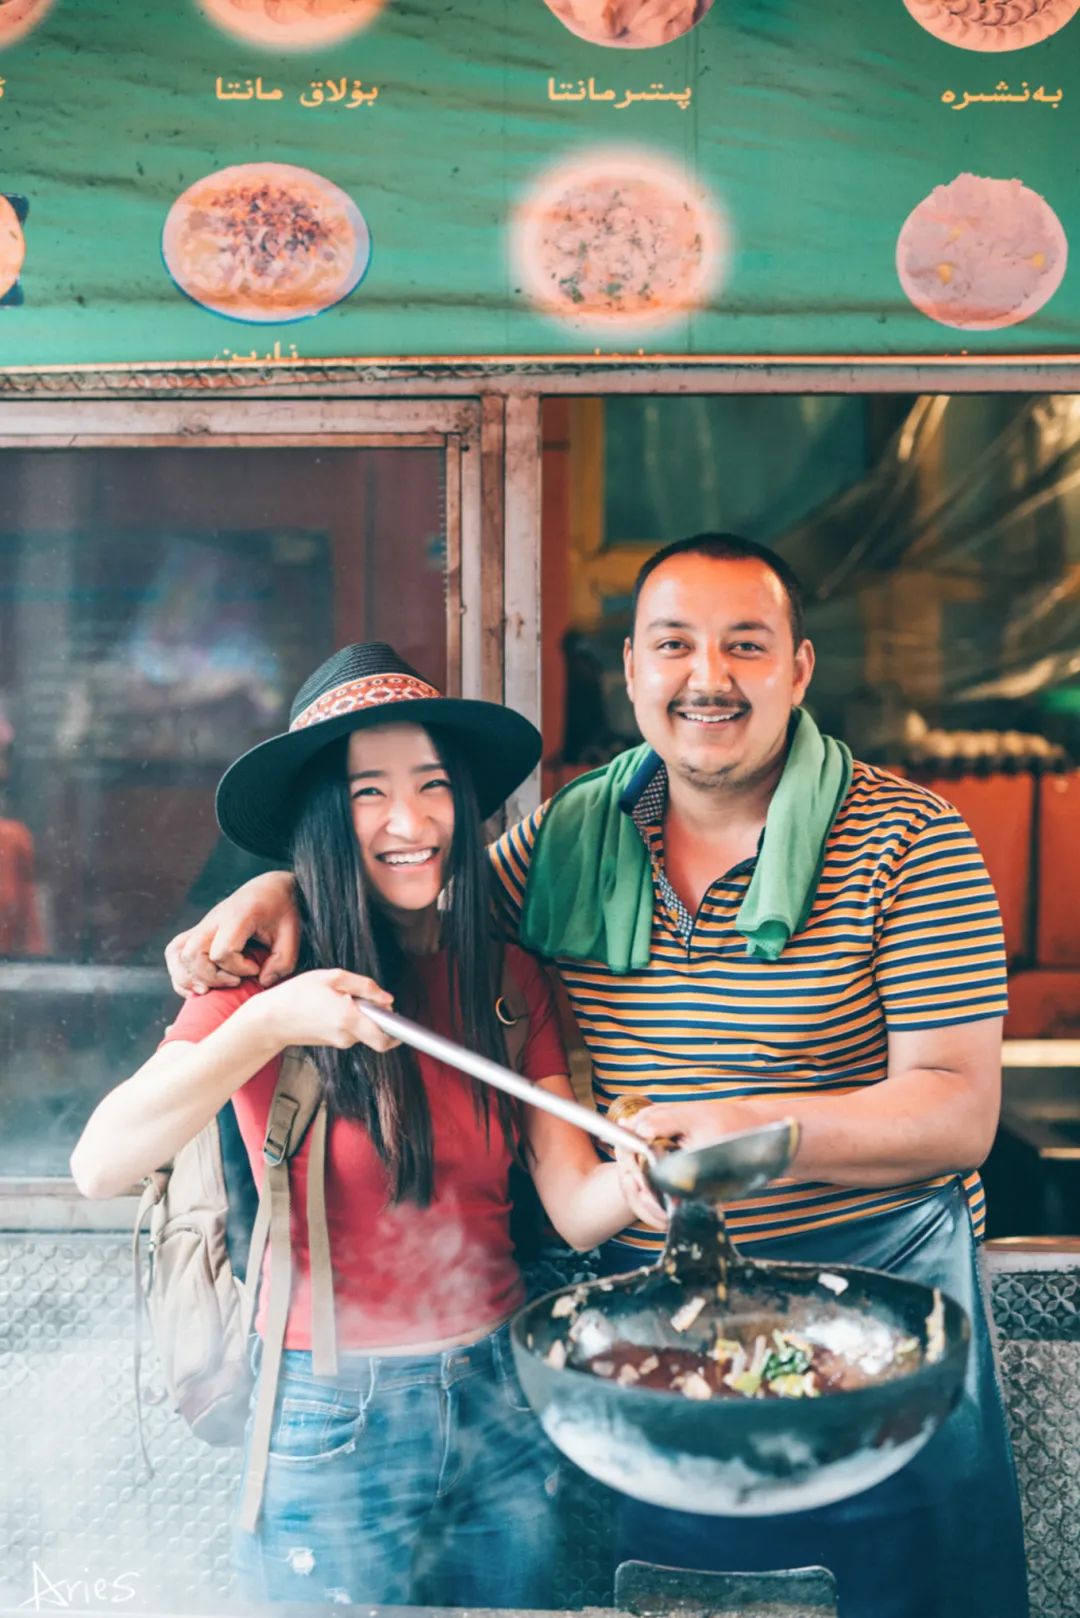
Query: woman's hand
(322, 1008)
(211, 955)
(641, 1200)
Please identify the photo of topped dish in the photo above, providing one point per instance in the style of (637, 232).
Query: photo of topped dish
(12, 246)
(18, 17)
(265, 242)
(631, 24)
(979, 253)
(992, 25)
(620, 236)
(292, 25)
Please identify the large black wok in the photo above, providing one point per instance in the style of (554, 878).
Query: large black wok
(738, 1456)
(727, 1456)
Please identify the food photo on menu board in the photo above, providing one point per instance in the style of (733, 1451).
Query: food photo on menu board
(980, 253)
(266, 242)
(569, 178)
(992, 25)
(631, 24)
(13, 212)
(292, 25)
(18, 17)
(618, 237)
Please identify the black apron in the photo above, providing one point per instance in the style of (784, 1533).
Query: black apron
(941, 1538)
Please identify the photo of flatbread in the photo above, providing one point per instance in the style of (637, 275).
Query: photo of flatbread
(618, 237)
(18, 17)
(292, 25)
(265, 242)
(992, 25)
(979, 254)
(632, 24)
(12, 247)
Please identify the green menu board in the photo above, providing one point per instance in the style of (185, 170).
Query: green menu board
(311, 179)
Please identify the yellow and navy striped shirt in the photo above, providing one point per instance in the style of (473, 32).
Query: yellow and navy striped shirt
(904, 933)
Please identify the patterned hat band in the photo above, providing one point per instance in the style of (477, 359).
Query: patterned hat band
(261, 795)
(373, 691)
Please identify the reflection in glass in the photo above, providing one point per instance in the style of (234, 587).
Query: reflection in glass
(157, 609)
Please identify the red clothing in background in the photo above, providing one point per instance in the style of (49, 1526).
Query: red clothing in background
(20, 920)
(403, 1274)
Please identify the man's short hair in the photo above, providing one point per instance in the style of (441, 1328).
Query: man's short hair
(728, 548)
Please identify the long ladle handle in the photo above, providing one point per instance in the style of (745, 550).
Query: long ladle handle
(503, 1078)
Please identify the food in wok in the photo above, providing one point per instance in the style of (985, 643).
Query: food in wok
(746, 1388)
(751, 1455)
(772, 1364)
(12, 246)
(981, 253)
(618, 237)
(633, 24)
(292, 25)
(18, 17)
(265, 242)
(992, 25)
(835, 1378)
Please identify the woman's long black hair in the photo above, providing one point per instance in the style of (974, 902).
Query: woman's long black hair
(343, 926)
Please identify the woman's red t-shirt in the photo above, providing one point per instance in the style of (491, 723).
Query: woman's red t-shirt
(403, 1274)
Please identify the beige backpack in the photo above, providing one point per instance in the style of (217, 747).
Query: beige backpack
(200, 1311)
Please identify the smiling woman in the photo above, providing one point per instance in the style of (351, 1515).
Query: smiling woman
(375, 795)
(403, 814)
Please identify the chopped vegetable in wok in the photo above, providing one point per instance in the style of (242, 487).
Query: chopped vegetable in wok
(782, 1365)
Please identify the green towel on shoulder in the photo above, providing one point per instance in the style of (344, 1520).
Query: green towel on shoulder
(589, 894)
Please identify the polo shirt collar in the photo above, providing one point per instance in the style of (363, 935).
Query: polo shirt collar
(644, 799)
(651, 771)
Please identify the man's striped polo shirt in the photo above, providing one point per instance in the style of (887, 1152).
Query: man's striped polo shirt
(904, 933)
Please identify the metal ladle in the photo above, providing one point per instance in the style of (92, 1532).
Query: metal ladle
(727, 1456)
(731, 1168)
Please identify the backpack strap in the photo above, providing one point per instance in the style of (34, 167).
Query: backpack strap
(512, 1010)
(294, 1109)
(153, 1190)
(323, 1333)
(296, 1106)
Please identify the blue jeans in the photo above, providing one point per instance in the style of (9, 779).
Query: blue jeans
(405, 1481)
(941, 1538)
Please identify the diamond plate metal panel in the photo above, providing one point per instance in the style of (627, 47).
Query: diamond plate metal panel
(1038, 1316)
(81, 1522)
(1041, 1383)
(83, 1526)
(1043, 1305)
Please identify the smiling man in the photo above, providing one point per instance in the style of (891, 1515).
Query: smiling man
(751, 926)
(714, 678)
(708, 671)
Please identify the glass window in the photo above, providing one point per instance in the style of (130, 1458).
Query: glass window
(936, 539)
(158, 610)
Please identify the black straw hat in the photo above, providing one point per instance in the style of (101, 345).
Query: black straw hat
(360, 686)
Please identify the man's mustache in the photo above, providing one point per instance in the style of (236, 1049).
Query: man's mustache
(709, 705)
